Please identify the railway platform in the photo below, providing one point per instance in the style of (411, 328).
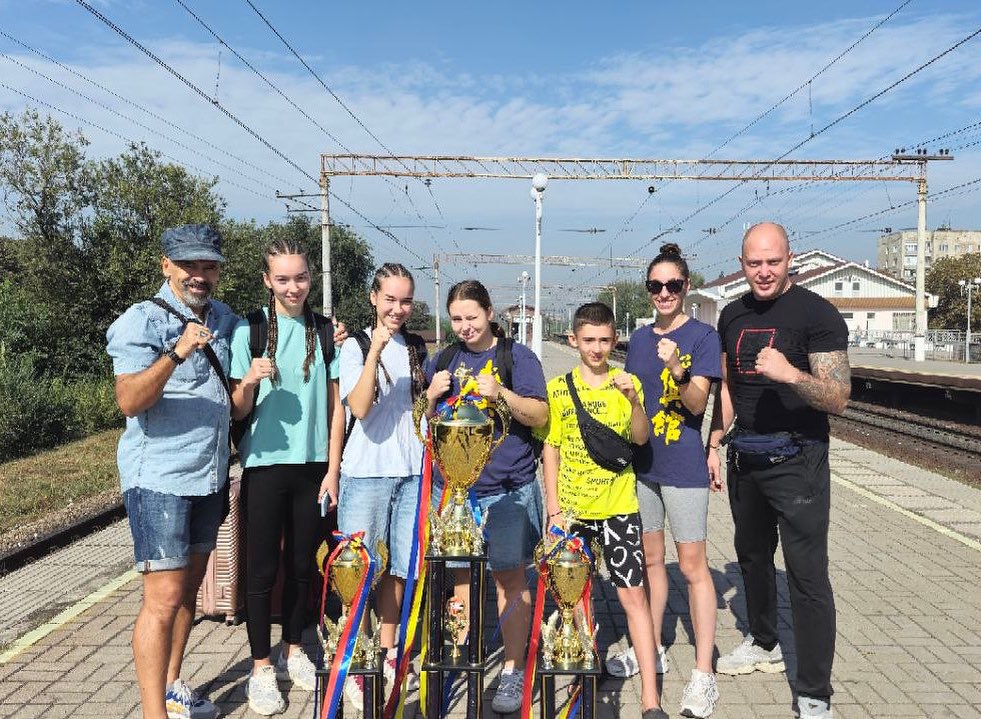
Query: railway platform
(905, 551)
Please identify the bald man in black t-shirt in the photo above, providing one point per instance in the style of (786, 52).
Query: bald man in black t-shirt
(785, 368)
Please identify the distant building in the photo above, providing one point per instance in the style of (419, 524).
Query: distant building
(869, 301)
(897, 250)
(514, 324)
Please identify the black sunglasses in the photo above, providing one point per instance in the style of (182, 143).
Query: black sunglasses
(674, 286)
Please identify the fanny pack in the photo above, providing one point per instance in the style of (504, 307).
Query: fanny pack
(764, 450)
(605, 446)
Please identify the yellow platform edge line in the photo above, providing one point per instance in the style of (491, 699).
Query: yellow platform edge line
(66, 615)
(925, 521)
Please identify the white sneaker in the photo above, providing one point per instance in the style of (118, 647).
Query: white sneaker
(263, 692)
(510, 691)
(624, 664)
(298, 669)
(700, 696)
(184, 703)
(748, 658)
(810, 708)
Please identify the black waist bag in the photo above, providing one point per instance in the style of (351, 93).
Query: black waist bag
(606, 447)
(764, 450)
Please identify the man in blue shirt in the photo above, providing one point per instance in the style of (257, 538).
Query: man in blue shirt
(173, 455)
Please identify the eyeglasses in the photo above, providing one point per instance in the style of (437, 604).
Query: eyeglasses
(674, 286)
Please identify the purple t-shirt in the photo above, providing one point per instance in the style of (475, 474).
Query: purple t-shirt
(513, 463)
(674, 455)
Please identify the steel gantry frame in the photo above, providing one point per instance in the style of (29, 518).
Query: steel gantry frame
(900, 167)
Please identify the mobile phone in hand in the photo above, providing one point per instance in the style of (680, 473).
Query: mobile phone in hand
(324, 504)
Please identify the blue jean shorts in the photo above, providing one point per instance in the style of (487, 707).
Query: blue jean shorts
(168, 528)
(384, 508)
(513, 528)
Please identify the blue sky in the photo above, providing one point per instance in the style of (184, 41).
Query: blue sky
(645, 80)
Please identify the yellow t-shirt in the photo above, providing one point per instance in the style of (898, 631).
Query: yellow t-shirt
(585, 488)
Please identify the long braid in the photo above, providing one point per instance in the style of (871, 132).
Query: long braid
(311, 335)
(273, 336)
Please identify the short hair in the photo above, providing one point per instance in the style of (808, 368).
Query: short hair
(593, 313)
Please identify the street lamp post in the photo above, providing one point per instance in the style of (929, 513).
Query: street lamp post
(968, 286)
(538, 184)
(523, 279)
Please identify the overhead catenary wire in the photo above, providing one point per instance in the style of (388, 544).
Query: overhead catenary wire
(231, 116)
(142, 108)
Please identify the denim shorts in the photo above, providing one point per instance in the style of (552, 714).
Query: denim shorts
(168, 528)
(686, 509)
(513, 527)
(384, 508)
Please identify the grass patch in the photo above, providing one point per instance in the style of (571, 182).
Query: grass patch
(44, 483)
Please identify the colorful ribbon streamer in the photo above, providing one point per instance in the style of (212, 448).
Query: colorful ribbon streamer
(574, 543)
(341, 661)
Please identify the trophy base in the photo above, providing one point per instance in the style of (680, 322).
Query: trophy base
(441, 664)
(373, 700)
(588, 679)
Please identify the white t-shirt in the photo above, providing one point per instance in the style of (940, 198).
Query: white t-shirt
(383, 444)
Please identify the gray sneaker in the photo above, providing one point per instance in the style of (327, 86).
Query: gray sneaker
(748, 658)
(700, 696)
(811, 708)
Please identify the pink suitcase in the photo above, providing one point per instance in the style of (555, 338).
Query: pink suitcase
(222, 591)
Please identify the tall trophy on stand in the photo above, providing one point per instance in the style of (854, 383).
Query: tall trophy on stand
(568, 638)
(461, 438)
(351, 572)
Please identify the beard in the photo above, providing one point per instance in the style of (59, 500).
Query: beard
(192, 300)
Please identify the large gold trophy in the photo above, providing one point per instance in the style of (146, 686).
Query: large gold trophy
(345, 573)
(462, 442)
(566, 567)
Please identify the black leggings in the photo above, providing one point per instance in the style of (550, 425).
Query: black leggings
(280, 502)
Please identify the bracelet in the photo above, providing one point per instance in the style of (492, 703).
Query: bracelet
(713, 446)
(555, 514)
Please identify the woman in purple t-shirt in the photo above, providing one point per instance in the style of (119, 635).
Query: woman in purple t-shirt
(507, 490)
(677, 359)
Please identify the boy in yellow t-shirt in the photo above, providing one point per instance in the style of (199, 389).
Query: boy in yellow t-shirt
(603, 503)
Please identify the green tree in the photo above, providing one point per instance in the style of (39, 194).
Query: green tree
(942, 280)
(421, 318)
(632, 297)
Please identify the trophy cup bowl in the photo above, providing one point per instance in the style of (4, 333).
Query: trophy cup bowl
(461, 447)
(567, 571)
(345, 575)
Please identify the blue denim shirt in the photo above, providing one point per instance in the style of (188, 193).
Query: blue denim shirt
(180, 444)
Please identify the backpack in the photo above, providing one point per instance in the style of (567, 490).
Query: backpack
(413, 343)
(259, 338)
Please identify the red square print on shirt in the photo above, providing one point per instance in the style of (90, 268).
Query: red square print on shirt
(749, 344)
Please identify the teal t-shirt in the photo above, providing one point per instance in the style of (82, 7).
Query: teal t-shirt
(289, 423)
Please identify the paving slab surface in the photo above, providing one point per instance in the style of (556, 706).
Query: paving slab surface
(905, 563)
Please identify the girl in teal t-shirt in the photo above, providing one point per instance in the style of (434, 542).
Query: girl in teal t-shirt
(291, 446)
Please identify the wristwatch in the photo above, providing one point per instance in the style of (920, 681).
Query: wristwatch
(685, 377)
(174, 357)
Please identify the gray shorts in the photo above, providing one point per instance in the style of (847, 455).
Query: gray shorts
(686, 507)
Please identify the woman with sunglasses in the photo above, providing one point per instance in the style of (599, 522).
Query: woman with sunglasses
(677, 358)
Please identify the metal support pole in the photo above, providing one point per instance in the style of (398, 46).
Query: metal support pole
(536, 323)
(967, 337)
(439, 330)
(919, 338)
(325, 244)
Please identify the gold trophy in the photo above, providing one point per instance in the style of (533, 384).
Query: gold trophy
(455, 622)
(462, 442)
(346, 572)
(568, 645)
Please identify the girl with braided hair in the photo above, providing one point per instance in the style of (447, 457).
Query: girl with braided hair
(381, 376)
(293, 440)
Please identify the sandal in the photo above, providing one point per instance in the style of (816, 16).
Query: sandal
(623, 664)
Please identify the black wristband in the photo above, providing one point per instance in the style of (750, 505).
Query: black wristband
(174, 357)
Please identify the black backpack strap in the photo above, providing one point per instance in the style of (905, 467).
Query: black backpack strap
(443, 361)
(325, 332)
(208, 350)
(504, 359)
(574, 396)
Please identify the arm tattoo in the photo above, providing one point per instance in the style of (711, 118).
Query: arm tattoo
(829, 384)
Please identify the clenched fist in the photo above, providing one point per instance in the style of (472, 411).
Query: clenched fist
(772, 364)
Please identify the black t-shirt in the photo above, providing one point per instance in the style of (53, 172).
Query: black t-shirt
(797, 323)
